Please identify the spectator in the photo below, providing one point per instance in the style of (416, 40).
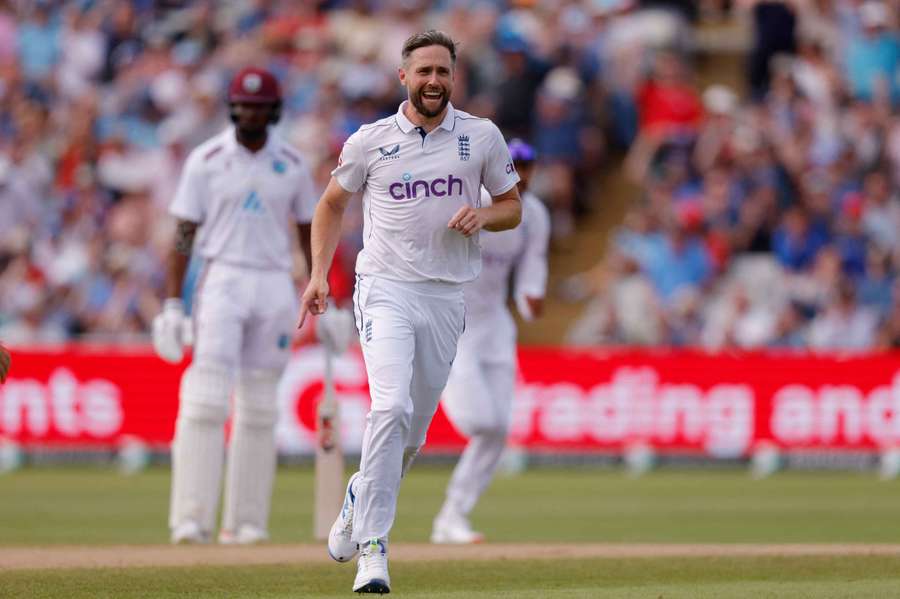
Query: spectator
(516, 93)
(844, 324)
(789, 329)
(873, 56)
(797, 179)
(123, 41)
(82, 45)
(743, 324)
(561, 142)
(796, 242)
(678, 260)
(668, 102)
(39, 41)
(774, 25)
(875, 287)
(880, 211)
(8, 34)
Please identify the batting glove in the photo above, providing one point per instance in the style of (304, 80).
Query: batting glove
(169, 331)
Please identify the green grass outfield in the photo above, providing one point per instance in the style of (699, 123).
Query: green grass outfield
(715, 578)
(95, 506)
(41, 507)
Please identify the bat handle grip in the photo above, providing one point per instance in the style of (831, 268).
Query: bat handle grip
(326, 434)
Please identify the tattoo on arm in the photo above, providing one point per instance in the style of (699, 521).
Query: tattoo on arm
(184, 237)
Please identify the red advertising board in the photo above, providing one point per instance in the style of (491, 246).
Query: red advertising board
(579, 401)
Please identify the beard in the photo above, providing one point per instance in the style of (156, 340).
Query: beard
(253, 126)
(418, 102)
(252, 133)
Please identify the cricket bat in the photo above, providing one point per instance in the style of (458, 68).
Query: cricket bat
(329, 491)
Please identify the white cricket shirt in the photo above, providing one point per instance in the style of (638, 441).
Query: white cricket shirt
(520, 253)
(246, 202)
(413, 184)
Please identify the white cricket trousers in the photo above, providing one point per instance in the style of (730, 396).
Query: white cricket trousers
(243, 320)
(408, 332)
(478, 401)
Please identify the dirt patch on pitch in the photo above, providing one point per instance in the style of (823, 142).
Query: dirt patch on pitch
(127, 556)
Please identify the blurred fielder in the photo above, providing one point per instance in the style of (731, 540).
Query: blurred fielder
(243, 188)
(421, 171)
(479, 393)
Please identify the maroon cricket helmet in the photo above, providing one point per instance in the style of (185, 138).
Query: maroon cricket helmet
(255, 86)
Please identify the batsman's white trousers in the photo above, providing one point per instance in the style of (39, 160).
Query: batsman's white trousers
(408, 332)
(478, 401)
(243, 322)
(244, 318)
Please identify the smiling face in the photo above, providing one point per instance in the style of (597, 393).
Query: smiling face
(427, 75)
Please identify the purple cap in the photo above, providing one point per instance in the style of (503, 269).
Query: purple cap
(520, 151)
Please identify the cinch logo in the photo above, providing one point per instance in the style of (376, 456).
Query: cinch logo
(440, 187)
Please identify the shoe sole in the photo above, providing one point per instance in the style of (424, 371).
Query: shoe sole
(376, 585)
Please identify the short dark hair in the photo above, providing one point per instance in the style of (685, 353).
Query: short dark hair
(432, 37)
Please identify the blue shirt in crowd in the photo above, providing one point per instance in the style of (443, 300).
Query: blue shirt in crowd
(871, 59)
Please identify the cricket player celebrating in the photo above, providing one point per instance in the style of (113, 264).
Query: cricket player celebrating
(421, 171)
(479, 393)
(243, 188)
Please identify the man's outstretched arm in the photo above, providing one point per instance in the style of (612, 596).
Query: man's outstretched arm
(326, 232)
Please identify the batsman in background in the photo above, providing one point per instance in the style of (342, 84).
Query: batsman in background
(240, 193)
(421, 172)
(479, 394)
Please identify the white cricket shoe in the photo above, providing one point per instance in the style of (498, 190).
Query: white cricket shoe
(189, 533)
(371, 570)
(454, 530)
(340, 547)
(246, 534)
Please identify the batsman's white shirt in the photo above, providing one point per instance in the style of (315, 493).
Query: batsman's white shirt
(247, 202)
(413, 185)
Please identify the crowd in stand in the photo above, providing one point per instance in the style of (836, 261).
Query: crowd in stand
(768, 219)
(101, 100)
(768, 216)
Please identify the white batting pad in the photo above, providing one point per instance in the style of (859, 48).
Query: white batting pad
(252, 453)
(198, 448)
